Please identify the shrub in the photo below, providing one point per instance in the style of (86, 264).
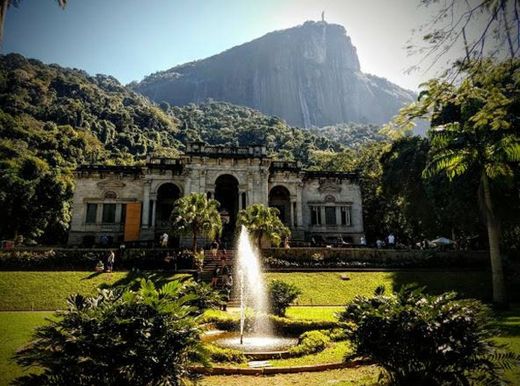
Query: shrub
(427, 340)
(219, 354)
(310, 342)
(138, 337)
(282, 326)
(281, 295)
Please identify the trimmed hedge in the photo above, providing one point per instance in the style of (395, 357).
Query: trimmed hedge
(219, 354)
(310, 342)
(282, 326)
(295, 258)
(87, 258)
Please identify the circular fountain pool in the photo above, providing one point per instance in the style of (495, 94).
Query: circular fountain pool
(254, 343)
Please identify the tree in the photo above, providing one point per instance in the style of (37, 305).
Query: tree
(197, 215)
(476, 129)
(262, 221)
(281, 295)
(480, 27)
(141, 337)
(4, 6)
(421, 339)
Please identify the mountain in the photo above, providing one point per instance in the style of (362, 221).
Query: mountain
(308, 75)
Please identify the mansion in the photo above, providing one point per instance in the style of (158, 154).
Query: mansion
(116, 204)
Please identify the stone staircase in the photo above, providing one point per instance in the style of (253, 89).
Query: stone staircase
(211, 263)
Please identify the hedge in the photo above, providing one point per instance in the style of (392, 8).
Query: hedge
(295, 258)
(282, 326)
(87, 258)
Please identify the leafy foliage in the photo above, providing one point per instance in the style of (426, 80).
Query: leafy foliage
(198, 215)
(310, 342)
(221, 123)
(140, 337)
(262, 221)
(428, 340)
(281, 295)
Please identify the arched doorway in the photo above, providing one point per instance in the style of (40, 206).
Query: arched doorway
(280, 198)
(167, 194)
(226, 193)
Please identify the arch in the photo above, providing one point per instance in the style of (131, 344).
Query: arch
(280, 198)
(167, 194)
(226, 193)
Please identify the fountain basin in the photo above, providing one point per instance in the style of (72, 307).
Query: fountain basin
(253, 346)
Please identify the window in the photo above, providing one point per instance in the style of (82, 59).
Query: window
(91, 214)
(315, 215)
(109, 213)
(346, 212)
(330, 215)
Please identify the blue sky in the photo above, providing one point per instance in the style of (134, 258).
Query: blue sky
(133, 38)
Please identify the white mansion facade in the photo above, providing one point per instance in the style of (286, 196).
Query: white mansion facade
(134, 203)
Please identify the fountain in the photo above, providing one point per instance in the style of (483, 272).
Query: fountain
(253, 295)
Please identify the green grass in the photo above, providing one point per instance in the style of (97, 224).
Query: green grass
(327, 288)
(335, 353)
(319, 313)
(49, 290)
(15, 331)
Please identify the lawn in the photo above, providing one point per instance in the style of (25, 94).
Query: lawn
(25, 291)
(327, 288)
(15, 330)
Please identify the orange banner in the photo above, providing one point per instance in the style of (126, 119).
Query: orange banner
(132, 221)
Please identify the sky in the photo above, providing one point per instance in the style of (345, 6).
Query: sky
(130, 39)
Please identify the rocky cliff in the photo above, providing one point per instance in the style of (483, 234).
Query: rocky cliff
(308, 75)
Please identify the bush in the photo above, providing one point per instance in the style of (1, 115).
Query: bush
(282, 326)
(219, 354)
(281, 295)
(427, 340)
(138, 337)
(310, 342)
(86, 259)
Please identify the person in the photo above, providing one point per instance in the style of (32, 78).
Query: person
(228, 287)
(164, 240)
(103, 240)
(214, 248)
(286, 243)
(223, 257)
(363, 241)
(391, 240)
(215, 276)
(379, 243)
(110, 261)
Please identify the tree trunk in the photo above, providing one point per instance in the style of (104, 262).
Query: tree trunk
(493, 228)
(194, 242)
(4, 4)
(260, 235)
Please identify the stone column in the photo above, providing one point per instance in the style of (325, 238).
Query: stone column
(146, 204)
(291, 211)
(338, 215)
(154, 208)
(299, 206)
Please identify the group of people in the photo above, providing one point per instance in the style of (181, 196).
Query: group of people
(222, 277)
(388, 243)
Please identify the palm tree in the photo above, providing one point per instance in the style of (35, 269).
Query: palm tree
(263, 221)
(474, 132)
(197, 215)
(4, 6)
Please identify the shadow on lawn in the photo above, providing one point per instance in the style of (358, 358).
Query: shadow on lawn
(468, 284)
(92, 276)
